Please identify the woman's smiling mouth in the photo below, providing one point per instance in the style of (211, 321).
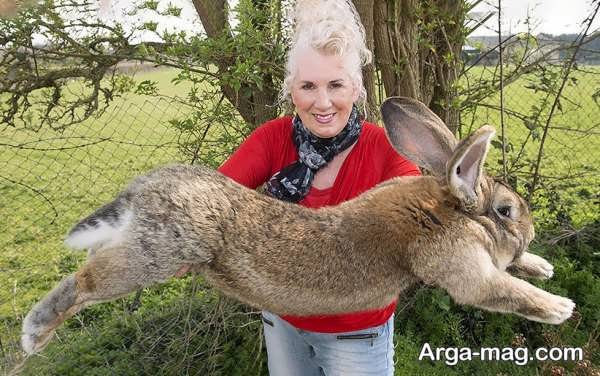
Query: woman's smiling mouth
(324, 119)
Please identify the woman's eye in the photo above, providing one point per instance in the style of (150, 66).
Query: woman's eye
(336, 85)
(504, 211)
(308, 86)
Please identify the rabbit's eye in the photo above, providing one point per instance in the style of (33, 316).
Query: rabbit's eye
(504, 211)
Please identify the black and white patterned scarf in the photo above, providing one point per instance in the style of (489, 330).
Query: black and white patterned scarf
(293, 182)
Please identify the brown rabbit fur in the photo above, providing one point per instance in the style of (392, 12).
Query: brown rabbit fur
(459, 230)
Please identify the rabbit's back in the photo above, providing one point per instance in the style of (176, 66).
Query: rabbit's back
(180, 214)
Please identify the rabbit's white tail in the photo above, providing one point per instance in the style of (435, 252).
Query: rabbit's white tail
(105, 227)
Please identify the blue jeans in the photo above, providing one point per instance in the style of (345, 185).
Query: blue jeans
(295, 352)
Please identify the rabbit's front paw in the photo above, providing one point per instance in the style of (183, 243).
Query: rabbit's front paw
(544, 268)
(35, 339)
(558, 310)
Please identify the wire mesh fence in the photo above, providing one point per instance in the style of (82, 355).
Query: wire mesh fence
(48, 173)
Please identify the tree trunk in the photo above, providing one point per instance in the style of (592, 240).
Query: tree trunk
(213, 15)
(412, 60)
(259, 105)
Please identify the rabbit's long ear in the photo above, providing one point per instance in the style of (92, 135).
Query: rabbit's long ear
(466, 165)
(417, 133)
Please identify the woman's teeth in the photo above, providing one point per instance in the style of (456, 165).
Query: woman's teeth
(324, 118)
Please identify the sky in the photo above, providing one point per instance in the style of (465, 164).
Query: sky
(548, 16)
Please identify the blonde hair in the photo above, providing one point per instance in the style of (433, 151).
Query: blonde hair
(331, 27)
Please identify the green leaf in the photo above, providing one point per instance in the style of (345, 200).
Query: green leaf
(149, 4)
(444, 302)
(147, 87)
(150, 25)
(497, 144)
(172, 10)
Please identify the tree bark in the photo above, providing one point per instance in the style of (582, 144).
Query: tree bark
(213, 15)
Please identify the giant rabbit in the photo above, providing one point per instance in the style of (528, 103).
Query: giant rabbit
(458, 229)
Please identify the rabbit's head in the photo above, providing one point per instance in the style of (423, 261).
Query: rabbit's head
(420, 135)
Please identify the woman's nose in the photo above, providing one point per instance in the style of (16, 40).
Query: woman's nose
(323, 99)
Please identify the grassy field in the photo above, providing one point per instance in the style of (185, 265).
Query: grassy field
(49, 181)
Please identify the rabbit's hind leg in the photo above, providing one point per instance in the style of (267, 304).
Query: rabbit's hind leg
(111, 274)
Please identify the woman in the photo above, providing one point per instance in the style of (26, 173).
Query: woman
(322, 156)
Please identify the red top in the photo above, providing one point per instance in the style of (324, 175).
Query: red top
(372, 160)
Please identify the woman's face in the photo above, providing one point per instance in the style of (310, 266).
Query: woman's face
(322, 92)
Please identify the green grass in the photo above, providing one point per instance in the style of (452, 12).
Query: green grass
(59, 183)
